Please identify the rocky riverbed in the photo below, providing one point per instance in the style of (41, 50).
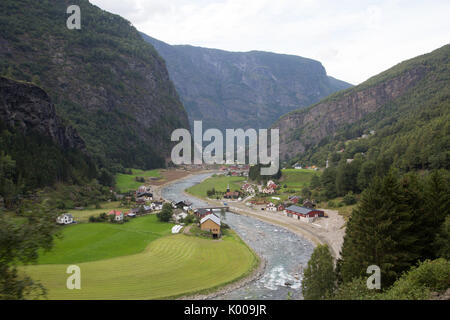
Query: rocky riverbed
(285, 253)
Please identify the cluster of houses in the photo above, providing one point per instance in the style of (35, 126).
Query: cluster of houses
(299, 167)
(238, 170)
(143, 195)
(269, 188)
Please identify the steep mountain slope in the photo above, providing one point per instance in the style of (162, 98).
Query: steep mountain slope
(28, 108)
(243, 89)
(36, 147)
(112, 86)
(406, 108)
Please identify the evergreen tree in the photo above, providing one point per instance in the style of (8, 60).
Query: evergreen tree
(319, 279)
(379, 233)
(328, 181)
(437, 202)
(315, 182)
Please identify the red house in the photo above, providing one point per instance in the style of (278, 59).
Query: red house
(302, 213)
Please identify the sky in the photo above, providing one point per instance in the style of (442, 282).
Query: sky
(354, 40)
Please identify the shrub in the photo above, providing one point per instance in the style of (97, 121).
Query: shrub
(349, 198)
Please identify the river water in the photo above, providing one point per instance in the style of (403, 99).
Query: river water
(285, 253)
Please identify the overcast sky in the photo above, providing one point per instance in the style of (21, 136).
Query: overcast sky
(353, 39)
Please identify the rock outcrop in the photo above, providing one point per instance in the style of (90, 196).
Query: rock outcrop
(307, 127)
(28, 108)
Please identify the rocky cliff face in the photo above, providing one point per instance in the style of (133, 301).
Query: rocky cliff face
(243, 89)
(303, 128)
(28, 108)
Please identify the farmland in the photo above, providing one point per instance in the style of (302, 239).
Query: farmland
(96, 241)
(297, 178)
(127, 182)
(140, 260)
(83, 215)
(219, 183)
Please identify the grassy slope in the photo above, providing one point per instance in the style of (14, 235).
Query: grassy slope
(127, 182)
(96, 241)
(83, 215)
(170, 266)
(218, 182)
(297, 178)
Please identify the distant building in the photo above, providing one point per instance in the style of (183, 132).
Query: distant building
(294, 199)
(65, 218)
(309, 204)
(303, 214)
(118, 215)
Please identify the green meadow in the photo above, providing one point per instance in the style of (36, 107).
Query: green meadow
(83, 215)
(127, 182)
(95, 241)
(140, 259)
(297, 178)
(220, 183)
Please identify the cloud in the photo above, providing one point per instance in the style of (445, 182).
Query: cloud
(353, 39)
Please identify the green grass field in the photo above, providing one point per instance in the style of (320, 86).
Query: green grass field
(127, 182)
(83, 215)
(169, 267)
(218, 182)
(297, 178)
(96, 241)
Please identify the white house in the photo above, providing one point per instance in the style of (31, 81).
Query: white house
(65, 218)
(271, 207)
(119, 216)
(157, 205)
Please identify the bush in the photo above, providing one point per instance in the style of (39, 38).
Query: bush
(349, 198)
(331, 204)
(166, 213)
(420, 281)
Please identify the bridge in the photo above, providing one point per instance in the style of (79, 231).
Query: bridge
(212, 208)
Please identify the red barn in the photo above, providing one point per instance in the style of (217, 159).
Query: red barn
(302, 213)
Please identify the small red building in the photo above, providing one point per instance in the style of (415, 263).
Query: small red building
(302, 213)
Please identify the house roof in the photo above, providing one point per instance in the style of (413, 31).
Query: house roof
(212, 217)
(117, 213)
(301, 210)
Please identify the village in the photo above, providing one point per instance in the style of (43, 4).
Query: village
(254, 196)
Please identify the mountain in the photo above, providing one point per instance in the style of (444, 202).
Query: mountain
(104, 79)
(243, 89)
(37, 148)
(399, 117)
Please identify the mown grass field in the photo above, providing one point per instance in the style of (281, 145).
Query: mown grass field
(127, 182)
(96, 241)
(220, 183)
(169, 267)
(83, 215)
(297, 178)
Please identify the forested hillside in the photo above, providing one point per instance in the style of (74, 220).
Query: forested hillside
(400, 119)
(104, 79)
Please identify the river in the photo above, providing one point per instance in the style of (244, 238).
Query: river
(285, 253)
